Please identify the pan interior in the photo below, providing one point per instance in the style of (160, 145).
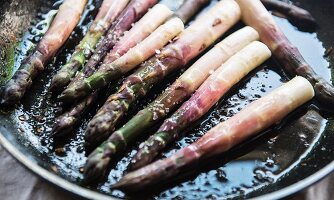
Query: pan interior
(289, 152)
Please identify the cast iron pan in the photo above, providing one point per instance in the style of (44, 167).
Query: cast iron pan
(283, 160)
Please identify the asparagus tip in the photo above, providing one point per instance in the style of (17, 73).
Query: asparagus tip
(96, 166)
(63, 125)
(58, 82)
(11, 96)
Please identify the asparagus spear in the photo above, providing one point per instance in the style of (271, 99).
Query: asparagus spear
(256, 117)
(65, 123)
(62, 26)
(132, 13)
(197, 37)
(255, 15)
(299, 17)
(205, 97)
(108, 12)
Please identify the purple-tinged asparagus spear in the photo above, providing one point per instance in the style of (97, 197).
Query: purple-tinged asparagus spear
(299, 17)
(256, 16)
(195, 39)
(256, 117)
(61, 28)
(108, 12)
(205, 97)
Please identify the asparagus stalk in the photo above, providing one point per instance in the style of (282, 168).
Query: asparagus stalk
(65, 123)
(256, 117)
(205, 97)
(159, 38)
(299, 17)
(108, 12)
(196, 38)
(62, 26)
(132, 13)
(255, 15)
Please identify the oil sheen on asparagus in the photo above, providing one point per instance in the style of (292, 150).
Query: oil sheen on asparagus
(256, 117)
(196, 38)
(61, 28)
(218, 84)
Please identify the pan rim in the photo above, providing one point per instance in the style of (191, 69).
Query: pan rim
(89, 194)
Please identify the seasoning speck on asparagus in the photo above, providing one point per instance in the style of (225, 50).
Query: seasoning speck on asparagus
(256, 117)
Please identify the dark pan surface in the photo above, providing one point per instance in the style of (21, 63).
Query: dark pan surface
(284, 156)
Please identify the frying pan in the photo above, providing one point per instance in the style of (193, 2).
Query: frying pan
(290, 156)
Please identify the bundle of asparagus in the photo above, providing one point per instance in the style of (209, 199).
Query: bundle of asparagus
(197, 37)
(205, 97)
(158, 39)
(108, 12)
(65, 123)
(143, 28)
(188, 82)
(62, 26)
(255, 14)
(131, 14)
(256, 117)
